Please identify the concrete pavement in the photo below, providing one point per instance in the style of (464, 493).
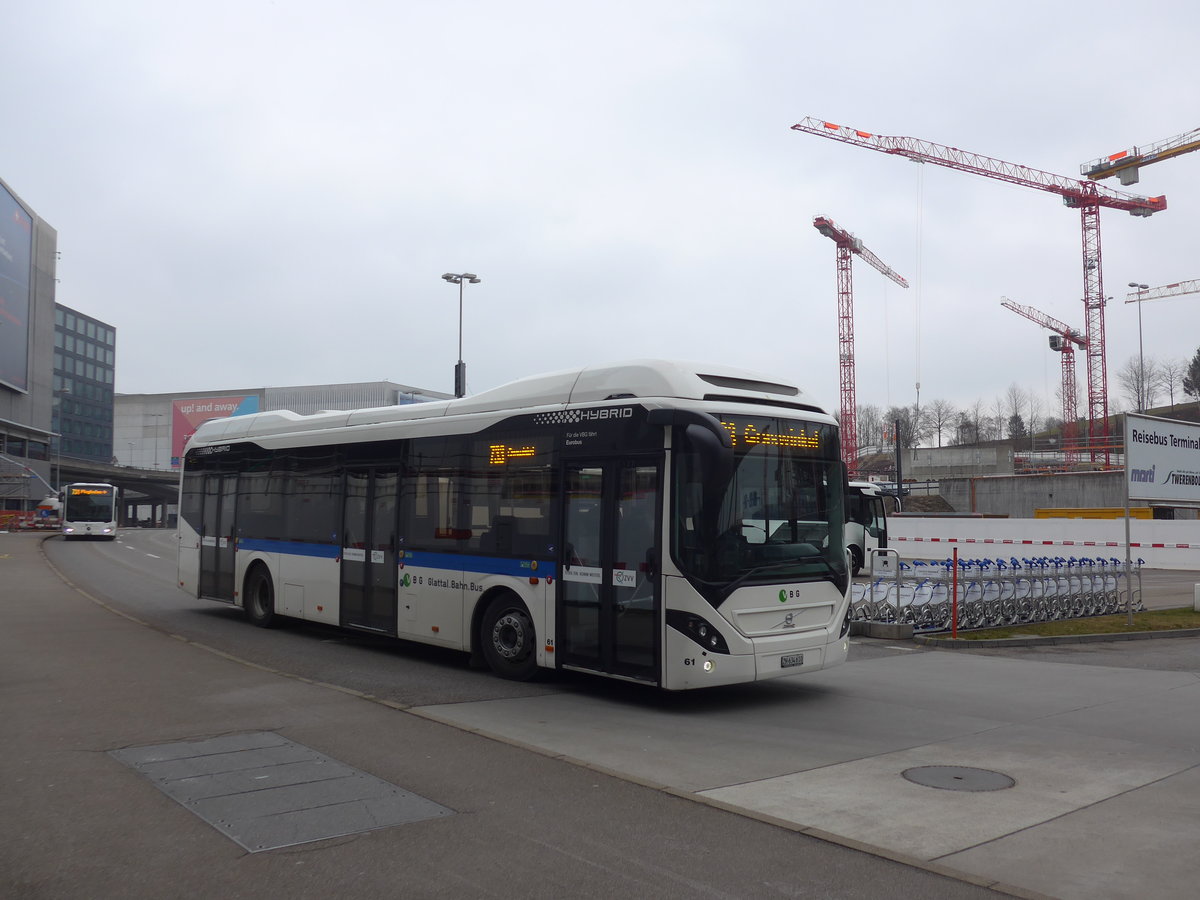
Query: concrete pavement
(628, 794)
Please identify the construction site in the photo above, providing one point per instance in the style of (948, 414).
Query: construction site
(1076, 467)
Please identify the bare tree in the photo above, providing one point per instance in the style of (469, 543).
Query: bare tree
(1139, 380)
(910, 433)
(940, 416)
(999, 419)
(1015, 400)
(1172, 372)
(978, 414)
(870, 426)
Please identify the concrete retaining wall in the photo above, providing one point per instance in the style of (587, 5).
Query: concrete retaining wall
(1020, 495)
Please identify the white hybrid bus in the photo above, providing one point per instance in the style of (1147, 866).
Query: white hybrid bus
(89, 511)
(866, 522)
(674, 524)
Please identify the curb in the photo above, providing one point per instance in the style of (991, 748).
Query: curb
(946, 643)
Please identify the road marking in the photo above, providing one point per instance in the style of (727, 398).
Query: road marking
(152, 556)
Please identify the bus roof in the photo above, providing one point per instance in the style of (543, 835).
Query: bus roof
(869, 488)
(645, 378)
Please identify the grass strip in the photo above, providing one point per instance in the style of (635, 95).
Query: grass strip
(1150, 620)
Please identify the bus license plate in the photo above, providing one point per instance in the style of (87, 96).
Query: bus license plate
(792, 659)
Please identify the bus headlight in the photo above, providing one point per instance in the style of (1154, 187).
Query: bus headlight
(698, 629)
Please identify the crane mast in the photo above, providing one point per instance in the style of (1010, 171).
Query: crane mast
(848, 246)
(1064, 340)
(1086, 196)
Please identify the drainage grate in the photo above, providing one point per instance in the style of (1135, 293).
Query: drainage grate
(958, 778)
(265, 792)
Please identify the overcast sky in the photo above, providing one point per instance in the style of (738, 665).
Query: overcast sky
(267, 192)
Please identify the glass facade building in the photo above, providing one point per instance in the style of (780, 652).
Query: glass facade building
(84, 368)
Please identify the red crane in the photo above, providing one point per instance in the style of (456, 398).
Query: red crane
(1064, 340)
(847, 246)
(1127, 163)
(1086, 196)
(1166, 290)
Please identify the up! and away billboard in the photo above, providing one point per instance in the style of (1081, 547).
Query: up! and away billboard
(1162, 459)
(188, 415)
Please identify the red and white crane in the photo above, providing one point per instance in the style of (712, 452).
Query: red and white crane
(848, 246)
(1086, 196)
(1164, 291)
(1127, 164)
(1140, 295)
(1064, 340)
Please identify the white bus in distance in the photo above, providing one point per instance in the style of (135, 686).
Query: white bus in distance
(866, 522)
(89, 511)
(668, 523)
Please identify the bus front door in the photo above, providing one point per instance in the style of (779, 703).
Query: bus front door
(608, 596)
(368, 593)
(217, 545)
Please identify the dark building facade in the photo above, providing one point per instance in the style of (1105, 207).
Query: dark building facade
(28, 253)
(84, 371)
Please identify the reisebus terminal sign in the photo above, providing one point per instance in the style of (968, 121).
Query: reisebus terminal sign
(1162, 459)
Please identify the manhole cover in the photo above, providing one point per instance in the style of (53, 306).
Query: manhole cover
(958, 778)
(266, 792)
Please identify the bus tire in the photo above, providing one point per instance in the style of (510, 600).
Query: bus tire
(259, 597)
(856, 560)
(507, 637)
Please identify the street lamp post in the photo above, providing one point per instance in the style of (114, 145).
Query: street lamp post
(1141, 357)
(156, 417)
(460, 370)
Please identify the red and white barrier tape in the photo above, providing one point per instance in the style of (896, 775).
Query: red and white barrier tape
(940, 540)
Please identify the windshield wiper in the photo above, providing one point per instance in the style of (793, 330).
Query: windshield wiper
(757, 570)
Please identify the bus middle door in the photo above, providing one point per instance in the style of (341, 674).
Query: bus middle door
(368, 570)
(217, 544)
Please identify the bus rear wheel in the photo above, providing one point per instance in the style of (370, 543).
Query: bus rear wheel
(507, 637)
(259, 597)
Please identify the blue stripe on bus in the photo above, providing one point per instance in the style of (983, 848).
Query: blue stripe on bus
(484, 565)
(292, 548)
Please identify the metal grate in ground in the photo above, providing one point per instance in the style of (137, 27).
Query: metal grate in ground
(266, 792)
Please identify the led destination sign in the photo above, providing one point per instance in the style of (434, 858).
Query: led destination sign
(789, 439)
(500, 454)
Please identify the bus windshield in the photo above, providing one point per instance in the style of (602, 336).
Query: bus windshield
(88, 503)
(767, 511)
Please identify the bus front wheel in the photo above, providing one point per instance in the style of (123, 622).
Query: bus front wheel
(856, 560)
(260, 597)
(508, 640)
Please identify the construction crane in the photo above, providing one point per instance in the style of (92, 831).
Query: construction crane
(1139, 296)
(1166, 290)
(1126, 164)
(1086, 196)
(1064, 340)
(849, 246)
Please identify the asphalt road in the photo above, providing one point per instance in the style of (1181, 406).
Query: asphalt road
(1093, 748)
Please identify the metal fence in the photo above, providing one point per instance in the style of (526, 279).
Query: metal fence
(996, 592)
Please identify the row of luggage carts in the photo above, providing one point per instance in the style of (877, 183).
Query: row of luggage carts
(995, 592)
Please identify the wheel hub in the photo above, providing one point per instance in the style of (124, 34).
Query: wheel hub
(509, 636)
